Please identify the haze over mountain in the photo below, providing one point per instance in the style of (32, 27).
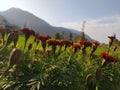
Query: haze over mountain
(18, 17)
(1, 18)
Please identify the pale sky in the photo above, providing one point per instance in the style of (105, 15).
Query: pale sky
(102, 16)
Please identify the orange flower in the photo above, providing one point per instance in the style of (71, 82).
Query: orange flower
(76, 47)
(43, 37)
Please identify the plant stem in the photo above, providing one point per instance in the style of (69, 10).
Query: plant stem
(96, 87)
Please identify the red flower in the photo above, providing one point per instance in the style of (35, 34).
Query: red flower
(53, 43)
(61, 43)
(43, 37)
(67, 42)
(104, 55)
(85, 43)
(27, 31)
(108, 58)
(111, 37)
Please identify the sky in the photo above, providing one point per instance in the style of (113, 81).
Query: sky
(102, 16)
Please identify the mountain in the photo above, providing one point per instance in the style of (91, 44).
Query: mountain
(18, 17)
(1, 18)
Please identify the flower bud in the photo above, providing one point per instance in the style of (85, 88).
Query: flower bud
(99, 74)
(90, 82)
(111, 39)
(89, 77)
(15, 38)
(10, 38)
(14, 56)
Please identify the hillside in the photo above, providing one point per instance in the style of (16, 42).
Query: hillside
(18, 17)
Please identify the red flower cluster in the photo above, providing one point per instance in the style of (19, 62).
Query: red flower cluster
(85, 43)
(53, 42)
(108, 58)
(67, 43)
(27, 31)
(43, 37)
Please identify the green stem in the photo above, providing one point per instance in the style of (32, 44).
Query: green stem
(96, 87)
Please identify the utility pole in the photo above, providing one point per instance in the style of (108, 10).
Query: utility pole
(83, 26)
(82, 33)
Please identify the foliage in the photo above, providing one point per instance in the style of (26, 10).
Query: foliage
(33, 62)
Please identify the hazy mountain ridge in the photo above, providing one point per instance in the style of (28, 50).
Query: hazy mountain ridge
(16, 16)
(1, 18)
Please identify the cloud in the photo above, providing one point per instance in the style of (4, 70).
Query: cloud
(98, 29)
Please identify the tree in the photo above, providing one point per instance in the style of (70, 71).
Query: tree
(58, 36)
(70, 36)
